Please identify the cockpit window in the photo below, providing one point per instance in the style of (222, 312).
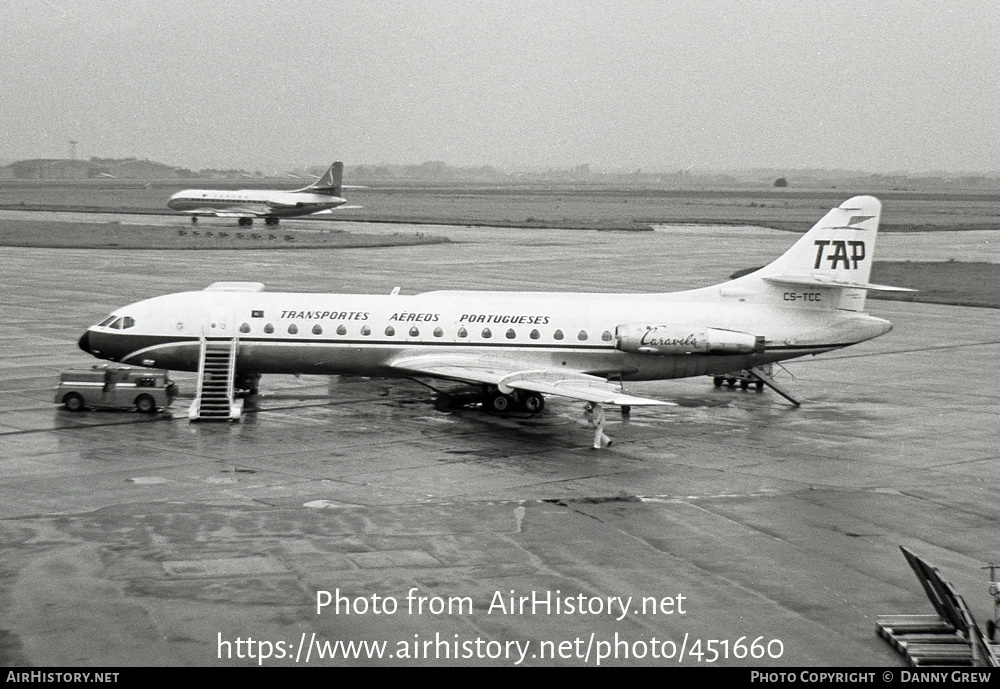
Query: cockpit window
(118, 323)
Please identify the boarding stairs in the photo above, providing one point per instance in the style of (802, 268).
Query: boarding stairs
(216, 393)
(950, 637)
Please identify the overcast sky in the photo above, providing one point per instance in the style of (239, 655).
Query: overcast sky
(660, 85)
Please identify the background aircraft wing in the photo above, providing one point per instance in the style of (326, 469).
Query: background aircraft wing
(508, 376)
(326, 211)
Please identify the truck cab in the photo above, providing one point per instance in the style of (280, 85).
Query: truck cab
(115, 387)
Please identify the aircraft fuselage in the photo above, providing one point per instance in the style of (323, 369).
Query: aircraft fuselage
(371, 334)
(282, 204)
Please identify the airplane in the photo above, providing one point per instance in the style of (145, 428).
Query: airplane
(321, 196)
(520, 346)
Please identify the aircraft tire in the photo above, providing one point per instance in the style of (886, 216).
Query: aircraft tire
(73, 402)
(532, 402)
(499, 403)
(145, 404)
(717, 381)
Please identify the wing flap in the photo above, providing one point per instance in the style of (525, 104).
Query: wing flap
(600, 393)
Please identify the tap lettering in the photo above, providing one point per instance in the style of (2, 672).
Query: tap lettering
(838, 253)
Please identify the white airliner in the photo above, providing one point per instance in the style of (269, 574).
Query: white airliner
(521, 346)
(271, 204)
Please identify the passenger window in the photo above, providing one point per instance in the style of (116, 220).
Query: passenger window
(414, 331)
(487, 333)
(582, 335)
(438, 332)
(341, 329)
(128, 322)
(317, 329)
(462, 332)
(558, 335)
(534, 335)
(293, 329)
(511, 334)
(269, 328)
(390, 331)
(606, 336)
(245, 328)
(365, 330)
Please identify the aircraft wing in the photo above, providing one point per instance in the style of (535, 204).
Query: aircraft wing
(508, 376)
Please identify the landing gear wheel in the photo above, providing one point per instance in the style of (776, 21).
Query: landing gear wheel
(759, 385)
(270, 221)
(73, 402)
(532, 402)
(145, 404)
(744, 384)
(717, 381)
(245, 222)
(499, 403)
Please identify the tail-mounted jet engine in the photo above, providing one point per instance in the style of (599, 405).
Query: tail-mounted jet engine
(675, 339)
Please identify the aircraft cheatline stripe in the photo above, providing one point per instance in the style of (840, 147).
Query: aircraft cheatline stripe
(147, 342)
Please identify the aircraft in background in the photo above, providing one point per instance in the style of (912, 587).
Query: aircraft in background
(321, 196)
(521, 346)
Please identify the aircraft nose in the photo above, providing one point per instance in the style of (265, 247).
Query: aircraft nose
(85, 342)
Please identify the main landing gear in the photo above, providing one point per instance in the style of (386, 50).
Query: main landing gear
(268, 220)
(519, 400)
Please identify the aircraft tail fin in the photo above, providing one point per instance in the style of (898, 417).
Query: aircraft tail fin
(829, 266)
(330, 184)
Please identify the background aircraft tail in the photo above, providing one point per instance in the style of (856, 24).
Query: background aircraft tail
(829, 266)
(330, 184)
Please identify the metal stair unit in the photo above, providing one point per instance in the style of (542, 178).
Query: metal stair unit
(216, 399)
(949, 637)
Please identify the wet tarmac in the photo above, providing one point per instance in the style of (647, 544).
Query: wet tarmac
(757, 528)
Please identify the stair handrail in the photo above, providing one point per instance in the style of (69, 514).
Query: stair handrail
(195, 411)
(231, 378)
